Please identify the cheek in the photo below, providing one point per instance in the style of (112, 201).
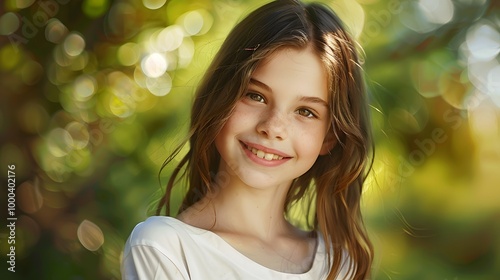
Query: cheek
(310, 140)
(240, 118)
(233, 126)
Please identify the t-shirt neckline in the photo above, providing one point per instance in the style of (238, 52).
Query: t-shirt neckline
(251, 265)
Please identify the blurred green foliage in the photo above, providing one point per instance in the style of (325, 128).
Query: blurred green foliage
(96, 93)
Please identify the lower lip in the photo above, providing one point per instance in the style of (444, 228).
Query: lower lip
(261, 161)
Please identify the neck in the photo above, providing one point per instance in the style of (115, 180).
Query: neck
(251, 211)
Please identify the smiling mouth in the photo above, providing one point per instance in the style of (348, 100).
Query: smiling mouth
(263, 155)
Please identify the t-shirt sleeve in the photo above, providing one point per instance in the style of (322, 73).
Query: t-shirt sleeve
(154, 251)
(147, 262)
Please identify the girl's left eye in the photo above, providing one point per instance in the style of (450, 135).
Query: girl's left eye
(306, 113)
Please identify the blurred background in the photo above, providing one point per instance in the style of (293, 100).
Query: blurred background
(96, 93)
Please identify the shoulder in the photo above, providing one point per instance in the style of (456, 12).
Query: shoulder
(153, 229)
(155, 250)
(164, 235)
(167, 248)
(161, 232)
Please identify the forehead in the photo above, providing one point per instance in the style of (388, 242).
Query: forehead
(299, 71)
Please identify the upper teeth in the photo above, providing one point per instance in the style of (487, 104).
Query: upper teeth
(264, 155)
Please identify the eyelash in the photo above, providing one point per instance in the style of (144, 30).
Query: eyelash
(309, 113)
(253, 95)
(259, 98)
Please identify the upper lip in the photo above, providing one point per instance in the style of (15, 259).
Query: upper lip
(266, 149)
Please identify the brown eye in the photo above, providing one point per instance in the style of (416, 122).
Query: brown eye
(255, 97)
(306, 113)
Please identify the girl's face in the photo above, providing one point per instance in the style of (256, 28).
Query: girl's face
(278, 128)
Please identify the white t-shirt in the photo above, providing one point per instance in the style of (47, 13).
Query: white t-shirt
(166, 248)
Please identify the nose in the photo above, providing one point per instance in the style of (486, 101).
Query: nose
(273, 125)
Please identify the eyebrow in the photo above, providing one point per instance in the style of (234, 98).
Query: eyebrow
(311, 99)
(308, 99)
(260, 84)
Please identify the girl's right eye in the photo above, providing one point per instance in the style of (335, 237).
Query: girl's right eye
(255, 97)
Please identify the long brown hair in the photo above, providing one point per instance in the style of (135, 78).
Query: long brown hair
(336, 178)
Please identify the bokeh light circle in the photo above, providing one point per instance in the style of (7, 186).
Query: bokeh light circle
(79, 134)
(154, 65)
(483, 41)
(85, 87)
(90, 235)
(9, 23)
(153, 4)
(128, 54)
(170, 38)
(57, 142)
(74, 44)
(193, 22)
(22, 4)
(120, 108)
(160, 86)
(55, 31)
(437, 11)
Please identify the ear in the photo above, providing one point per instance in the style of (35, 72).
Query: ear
(328, 143)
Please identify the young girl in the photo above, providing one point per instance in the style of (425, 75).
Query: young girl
(280, 114)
